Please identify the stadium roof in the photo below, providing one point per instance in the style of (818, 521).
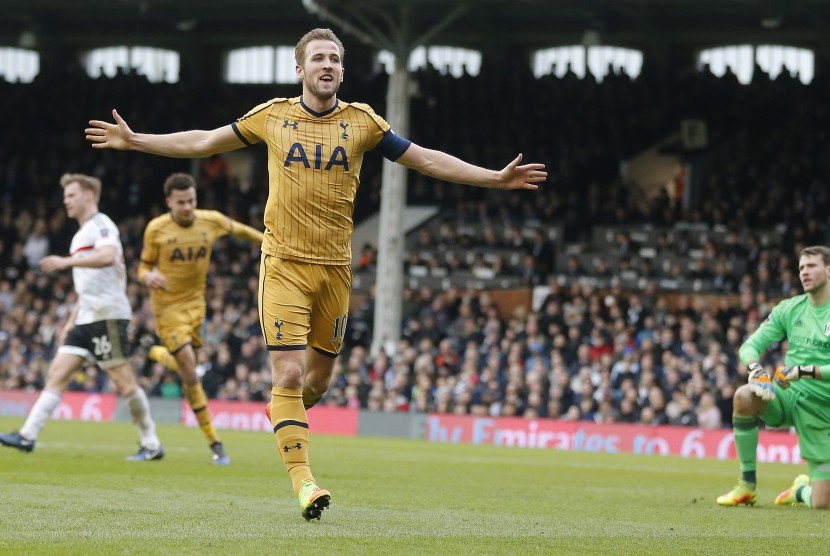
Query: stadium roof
(476, 23)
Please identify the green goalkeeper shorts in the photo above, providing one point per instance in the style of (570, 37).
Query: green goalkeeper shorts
(793, 407)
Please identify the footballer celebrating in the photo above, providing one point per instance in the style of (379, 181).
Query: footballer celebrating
(316, 144)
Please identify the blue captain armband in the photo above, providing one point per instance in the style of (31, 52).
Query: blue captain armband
(392, 146)
(239, 135)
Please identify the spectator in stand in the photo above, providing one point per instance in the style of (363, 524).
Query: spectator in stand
(367, 258)
(36, 245)
(708, 414)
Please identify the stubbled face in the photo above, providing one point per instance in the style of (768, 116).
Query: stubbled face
(77, 200)
(322, 69)
(813, 273)
(182, 204)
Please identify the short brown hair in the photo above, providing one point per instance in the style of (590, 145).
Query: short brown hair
(317, 35)
(90, 183)
(820, 250)
(178, 182)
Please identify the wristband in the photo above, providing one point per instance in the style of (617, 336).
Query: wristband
(806, 371)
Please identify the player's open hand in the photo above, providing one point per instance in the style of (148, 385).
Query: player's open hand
(51, 263)
(104, 135)
(155, 280)
(526, 176)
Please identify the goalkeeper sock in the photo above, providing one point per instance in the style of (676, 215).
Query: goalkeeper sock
(161, 354)
(195, 395)
(290, 423)
(805, 494)
(746, 445)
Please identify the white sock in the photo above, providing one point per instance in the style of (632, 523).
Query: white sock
(39, 414)
(140, 410)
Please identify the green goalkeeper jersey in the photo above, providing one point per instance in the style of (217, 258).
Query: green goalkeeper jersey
(807, 330)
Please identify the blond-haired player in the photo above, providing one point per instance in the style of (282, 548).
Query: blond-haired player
(316, 144)
(97, 328)
(174, 265)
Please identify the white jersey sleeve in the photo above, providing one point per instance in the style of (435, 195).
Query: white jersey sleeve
(102, 292)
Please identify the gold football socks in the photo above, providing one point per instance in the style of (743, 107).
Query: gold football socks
(160, 354)
(290, 423)
(195, 395)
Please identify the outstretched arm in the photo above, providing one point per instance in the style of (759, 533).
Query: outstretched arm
(183, 144)
(245, 232)
(446, 167)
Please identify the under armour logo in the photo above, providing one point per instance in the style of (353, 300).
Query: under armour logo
(278, 325)
(297, 446)
(344, 125)
(291, 124)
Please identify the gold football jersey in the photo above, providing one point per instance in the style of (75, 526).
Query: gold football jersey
(314, 162)
(182, 255)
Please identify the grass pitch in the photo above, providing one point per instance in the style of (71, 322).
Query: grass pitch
(75, 494)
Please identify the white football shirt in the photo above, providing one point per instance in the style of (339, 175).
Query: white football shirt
(102, 292)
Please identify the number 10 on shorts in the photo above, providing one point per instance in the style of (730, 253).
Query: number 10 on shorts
(339, 328)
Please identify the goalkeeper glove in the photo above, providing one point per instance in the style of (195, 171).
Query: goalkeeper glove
(760, 382)
(785, 375)
(780, 378)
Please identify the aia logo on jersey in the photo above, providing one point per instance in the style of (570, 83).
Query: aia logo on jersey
(297, 154)
(188, 255)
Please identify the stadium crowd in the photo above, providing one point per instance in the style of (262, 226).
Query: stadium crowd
(590, 352)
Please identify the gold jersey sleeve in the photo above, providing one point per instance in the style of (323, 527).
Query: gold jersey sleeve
(182, 255)
(314, 162)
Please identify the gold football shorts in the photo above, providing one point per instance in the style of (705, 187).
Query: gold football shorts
(303, 304)
(177, 327)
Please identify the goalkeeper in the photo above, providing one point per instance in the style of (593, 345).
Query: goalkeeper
(797, 395)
